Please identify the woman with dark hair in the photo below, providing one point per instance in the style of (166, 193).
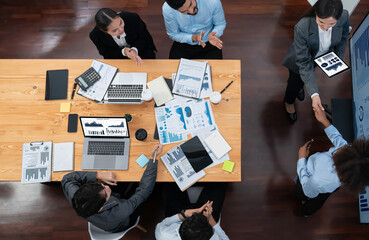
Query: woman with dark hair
(324, 28)
(121, 36)
(321, 174)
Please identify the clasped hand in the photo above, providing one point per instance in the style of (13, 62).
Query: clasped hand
(132, 54)
(107, 177)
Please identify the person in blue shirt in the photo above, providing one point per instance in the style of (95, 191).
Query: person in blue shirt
(324, 172)
(195, 26)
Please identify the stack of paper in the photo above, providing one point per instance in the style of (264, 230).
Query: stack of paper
(63, 155)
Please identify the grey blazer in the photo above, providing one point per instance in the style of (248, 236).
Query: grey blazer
(115, 213)
(301, 53)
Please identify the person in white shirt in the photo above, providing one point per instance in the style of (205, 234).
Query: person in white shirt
(324, 28)
(323, 172)
(184, 222)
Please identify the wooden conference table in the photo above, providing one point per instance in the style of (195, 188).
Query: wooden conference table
(26, 117)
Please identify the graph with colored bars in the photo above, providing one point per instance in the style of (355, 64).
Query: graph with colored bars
(364, 206)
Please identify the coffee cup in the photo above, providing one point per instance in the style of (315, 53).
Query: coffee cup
(147, 95)
(215, 97)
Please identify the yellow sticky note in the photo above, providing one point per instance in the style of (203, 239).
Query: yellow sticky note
(228, 166)
(64, 107)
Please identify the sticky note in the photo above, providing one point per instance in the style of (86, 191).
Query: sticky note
(228, 166)
(64, 107)
(142, 160)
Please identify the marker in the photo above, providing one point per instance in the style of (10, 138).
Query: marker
(229, 84)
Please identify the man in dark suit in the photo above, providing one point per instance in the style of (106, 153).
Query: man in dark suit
(121, 36)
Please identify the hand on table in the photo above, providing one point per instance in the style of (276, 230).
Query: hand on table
(107, 177)
(198, 38)
(215, 41)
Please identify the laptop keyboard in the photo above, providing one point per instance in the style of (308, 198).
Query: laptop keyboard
(105, 148)
(125, 91)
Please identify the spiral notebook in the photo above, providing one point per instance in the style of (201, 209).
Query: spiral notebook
(63, 156)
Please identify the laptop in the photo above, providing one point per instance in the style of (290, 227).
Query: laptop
(126, 88)
(106, 144)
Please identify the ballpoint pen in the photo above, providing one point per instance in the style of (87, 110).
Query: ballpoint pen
(154, 157)
(74, 90)
(229, 84)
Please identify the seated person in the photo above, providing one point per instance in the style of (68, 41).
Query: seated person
(185, 220)
(104, 208)
(121, 36)
(323, 173)
(195, 26)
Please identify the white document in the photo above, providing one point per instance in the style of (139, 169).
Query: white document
(203, 134)
(160, 91)
(97, 91)
(206, 87)
(189, 78)
(197, 114)
(180, 168)
(36, 162)
(217, 144)
(63, 156)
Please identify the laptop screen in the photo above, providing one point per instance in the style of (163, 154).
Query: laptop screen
(104, 126)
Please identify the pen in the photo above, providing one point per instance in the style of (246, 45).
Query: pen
(74, 90)
(309, 144)
(154, 157)
(229, 84)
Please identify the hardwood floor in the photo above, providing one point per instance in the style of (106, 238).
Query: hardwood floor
(262, 206)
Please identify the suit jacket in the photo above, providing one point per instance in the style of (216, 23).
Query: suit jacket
(136, 36)
(301, 53)
(114, 216)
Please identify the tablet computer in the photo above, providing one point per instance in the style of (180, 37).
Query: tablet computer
(331, 64)
(196, 154)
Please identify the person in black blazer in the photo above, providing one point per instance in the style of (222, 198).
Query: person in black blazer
(121, 36)
(324, 28)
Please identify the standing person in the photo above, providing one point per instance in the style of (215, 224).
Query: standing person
(324, 28)
(195, 26)
(121, 36)
(323, 173)
(104, 208)
(185, 220)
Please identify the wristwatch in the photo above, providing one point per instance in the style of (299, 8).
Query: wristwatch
(183, 213)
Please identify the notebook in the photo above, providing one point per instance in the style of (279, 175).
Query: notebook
(63, 156)
(56, 84)
(217, 144)
(160, 91)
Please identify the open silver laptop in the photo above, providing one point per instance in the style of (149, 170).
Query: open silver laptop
(106, 144)
(126, 88)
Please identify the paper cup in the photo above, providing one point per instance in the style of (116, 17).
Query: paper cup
(147, 95)
(215, 97)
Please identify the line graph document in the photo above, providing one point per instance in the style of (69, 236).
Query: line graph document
(189, 78)
(97, 91)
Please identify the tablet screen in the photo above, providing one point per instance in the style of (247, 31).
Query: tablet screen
(331, 64)
(196, 154)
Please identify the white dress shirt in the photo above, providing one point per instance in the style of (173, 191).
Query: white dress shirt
(318, 174)
(121, 41)
(168, 229)
(325, 41)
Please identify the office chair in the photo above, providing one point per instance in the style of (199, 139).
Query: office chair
(99, 234)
